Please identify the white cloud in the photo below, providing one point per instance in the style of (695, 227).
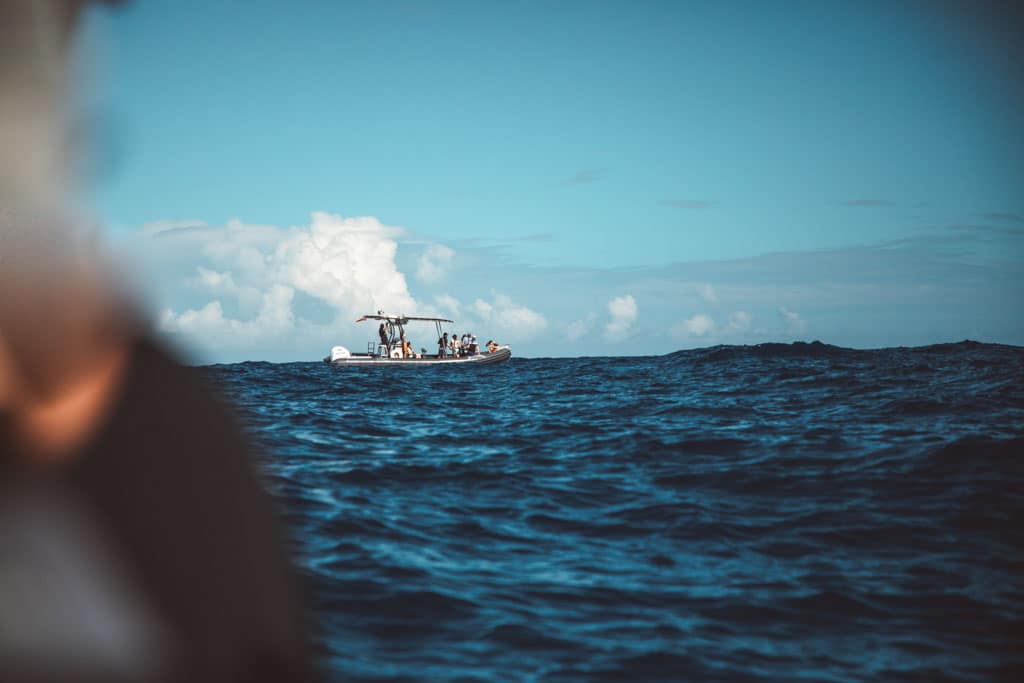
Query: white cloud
(873, 295)
(222, 284)
(348, 263)
(505, 319)
(704, 326)
(254, 272)
(215, 280)
(482, 309)
(623, 312)
(700, 325)
(794, 323)
(739, 321)
(209, 322)
(434, 263)
(577, 329)
(708, 294)
(448, 305)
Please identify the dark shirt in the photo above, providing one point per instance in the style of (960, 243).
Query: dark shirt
(168, 480)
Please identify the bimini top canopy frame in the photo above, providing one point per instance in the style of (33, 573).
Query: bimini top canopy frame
(401, 319)
(395, 324)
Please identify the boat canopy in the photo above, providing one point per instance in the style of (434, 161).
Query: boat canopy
(394, 325)
(401, 319)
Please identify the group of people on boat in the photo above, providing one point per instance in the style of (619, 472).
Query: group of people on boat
(456, 347)
(448, 346)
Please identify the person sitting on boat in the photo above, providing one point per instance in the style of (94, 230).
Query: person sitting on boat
(407, 350)
(383, 333)
(474, 348)
(492, 346)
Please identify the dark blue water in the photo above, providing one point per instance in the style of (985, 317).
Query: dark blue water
(765, 513)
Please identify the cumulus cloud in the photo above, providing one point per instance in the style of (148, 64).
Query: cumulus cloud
(700, 325)
(504, 318)
(434, 263)
(215, 280)
(703, 326)
(209, 322)
(623, 312)
(794, 323)
(739, 321)
(577, 329)
(222, 284)
(883, 294)
(448, 305)
(347, 262)
(497, 317)
(251, 274)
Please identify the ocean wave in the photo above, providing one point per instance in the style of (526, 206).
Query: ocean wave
(757, 513)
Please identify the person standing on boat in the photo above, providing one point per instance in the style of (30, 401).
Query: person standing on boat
(442, 345)
(456, 346)
(383, 333)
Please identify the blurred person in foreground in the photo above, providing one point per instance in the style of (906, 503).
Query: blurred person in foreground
(136, 543)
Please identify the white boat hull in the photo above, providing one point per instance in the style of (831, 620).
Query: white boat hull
(502, 353)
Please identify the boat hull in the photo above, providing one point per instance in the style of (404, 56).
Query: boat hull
(501, 354)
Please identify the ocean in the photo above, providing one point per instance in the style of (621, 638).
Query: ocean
(776, 512)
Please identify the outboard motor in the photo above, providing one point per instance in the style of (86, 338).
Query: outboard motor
(340, 353)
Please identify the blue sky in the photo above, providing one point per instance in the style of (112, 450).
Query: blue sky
(636, 177)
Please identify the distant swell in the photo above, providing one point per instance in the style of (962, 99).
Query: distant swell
(751, 513)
